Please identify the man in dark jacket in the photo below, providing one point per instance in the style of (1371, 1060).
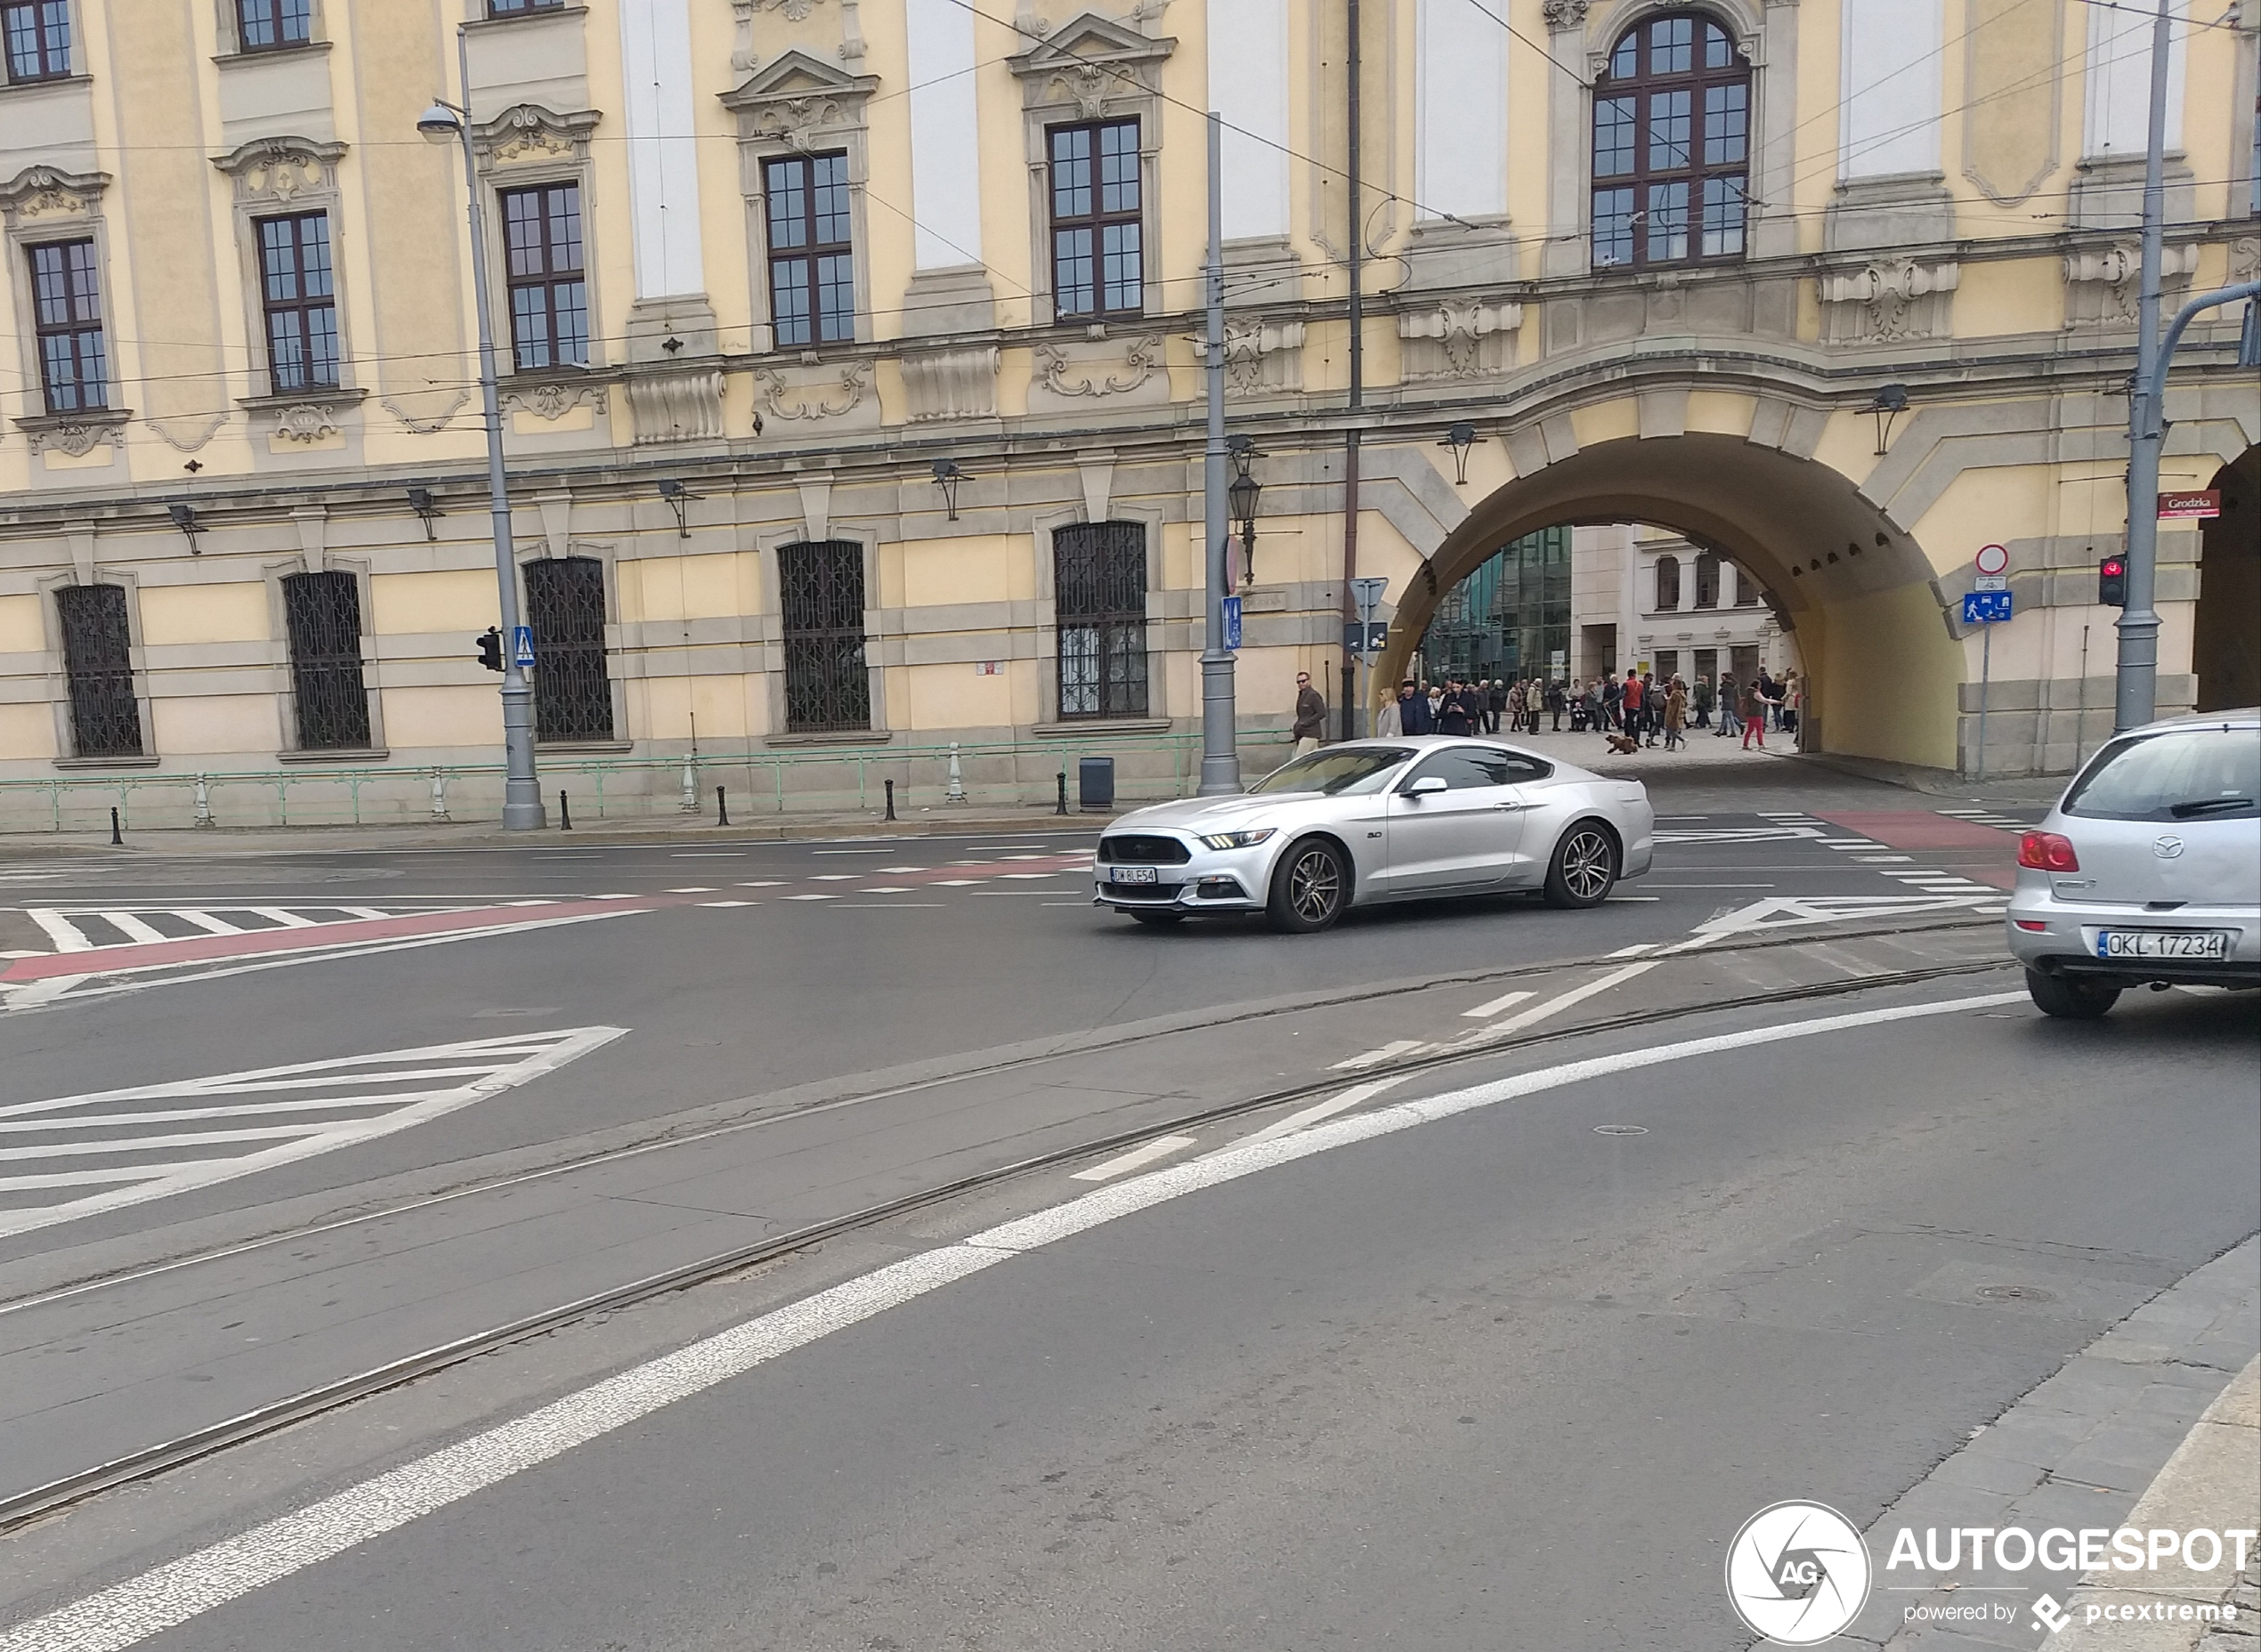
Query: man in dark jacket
(1457, 713)
(1413, 710)
(1310, 715)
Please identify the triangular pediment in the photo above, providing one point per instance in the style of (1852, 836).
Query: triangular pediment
(797, 75)
(1090, 41)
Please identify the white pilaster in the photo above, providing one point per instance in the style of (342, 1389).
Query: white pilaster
(1459, 112)
(1890, 78)
(945, 140)
(2117, 117)
(1248, 86)
(663, 154)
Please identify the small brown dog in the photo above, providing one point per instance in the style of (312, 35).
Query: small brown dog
(1624, 744)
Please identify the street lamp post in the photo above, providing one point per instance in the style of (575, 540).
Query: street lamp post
(521, 796)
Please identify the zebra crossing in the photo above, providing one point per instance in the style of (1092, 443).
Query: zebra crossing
(75, 1155)
(1986, 817)
(93, 928)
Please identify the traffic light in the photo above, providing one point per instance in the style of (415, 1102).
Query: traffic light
(490, 649)
(2112, 582)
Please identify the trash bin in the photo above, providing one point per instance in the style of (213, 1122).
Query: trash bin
(1095, 785)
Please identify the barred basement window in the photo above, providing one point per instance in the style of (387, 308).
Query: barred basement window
(322, 614)
(827, 684)
(1100, 603)
(105, 719)
(565, 608)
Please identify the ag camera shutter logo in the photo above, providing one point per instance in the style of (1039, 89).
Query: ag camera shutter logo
(1797, 1573)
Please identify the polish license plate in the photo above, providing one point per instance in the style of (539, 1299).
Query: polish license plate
(1131, 874)
(2163, 944)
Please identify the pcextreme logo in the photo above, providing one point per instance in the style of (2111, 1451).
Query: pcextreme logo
(1797, 1573)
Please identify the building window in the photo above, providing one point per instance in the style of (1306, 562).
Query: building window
(1747, 590)
(827, 684)
(1706, 580)
(105, 720)
(271, 25)
(322, 617)
(812, 265)
(520, 8)
(548, 287)
(1668, 665)
(1671, 126)
(1099, 601)
(1098, 257)
(295, 286)
(67, 316)
(1667, 584)
(565, 610)
(39, 37)
(1511, 616)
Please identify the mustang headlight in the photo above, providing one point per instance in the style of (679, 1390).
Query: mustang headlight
(1236, 840)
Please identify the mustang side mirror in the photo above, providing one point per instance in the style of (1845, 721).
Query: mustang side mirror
(1427, 786)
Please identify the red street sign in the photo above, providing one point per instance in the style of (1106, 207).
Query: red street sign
(2190, 506)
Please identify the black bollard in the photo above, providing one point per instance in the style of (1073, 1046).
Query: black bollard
(116, 839)
(565, 812)
(722, 808)
(1061, 807)
(890, 800)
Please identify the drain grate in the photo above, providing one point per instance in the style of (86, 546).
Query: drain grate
(2014, 1293)
(1621, 1130)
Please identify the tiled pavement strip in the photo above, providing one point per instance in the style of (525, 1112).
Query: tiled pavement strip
(2153, 1424)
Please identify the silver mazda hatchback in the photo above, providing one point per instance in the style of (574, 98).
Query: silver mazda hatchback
(2148, 871)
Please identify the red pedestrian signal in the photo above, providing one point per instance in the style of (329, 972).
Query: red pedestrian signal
(2112, 582)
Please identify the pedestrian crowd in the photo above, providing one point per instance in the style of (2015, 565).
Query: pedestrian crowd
(1639, 707)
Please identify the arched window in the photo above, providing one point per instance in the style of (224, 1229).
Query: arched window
(1667, 584)
(1671, 139)
(1706, 580)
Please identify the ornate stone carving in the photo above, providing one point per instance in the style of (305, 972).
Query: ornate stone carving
(551, 399)
(46, 192)
(1459, 338)
(1564, 13)
(2102, 285)
(681, 406)
(1087, 62)
(527, 132)
(73, 438)
(1261, 358)
(798, 102)
(1056, 370)
(792, 402)
(2245, 260)
(305, 423)
(951, 384)
(1887, 301)
(281, 170)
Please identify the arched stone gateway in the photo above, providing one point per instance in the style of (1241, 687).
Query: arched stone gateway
(1866, 555)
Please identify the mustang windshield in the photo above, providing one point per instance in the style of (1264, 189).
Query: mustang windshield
(1344, 772)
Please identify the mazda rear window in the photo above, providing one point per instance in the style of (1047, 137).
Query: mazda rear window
(2186, 774)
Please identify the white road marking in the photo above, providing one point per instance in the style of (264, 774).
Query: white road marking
(281, 915)
(1879, 860)
(1634, 951)
(885, 888)
(1783, 832)
(1634, 897)
(812, 897)
(1647, 883)
(131, 928)
(712, 854)
(1048, 876)
(1137, 1158)
(1850, 843)
(1555, 1005)
(1328, 1109)
(1396, 1047)
(730, 903)
(889, 906)
(474, 1069)
(761, 883)
(696, 888)
(848, 851)
(834, 877)
(1493, 1007)
(956, 883)
(899, 871)
(60, 930)
(166, 1596)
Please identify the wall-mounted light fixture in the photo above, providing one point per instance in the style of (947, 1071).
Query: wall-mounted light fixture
(1460, 438)
(1891, 401)
(184, 518)
(421, 502)
(947, 476)
(677, 496)
(1241, 496)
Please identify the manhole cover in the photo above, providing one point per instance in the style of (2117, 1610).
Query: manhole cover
(2014, 1293)
(1621, 1130)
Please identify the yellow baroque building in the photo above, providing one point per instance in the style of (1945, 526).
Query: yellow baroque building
(1839, 290)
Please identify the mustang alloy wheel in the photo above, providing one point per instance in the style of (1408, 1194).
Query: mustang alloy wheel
(1310, 887)
(1585, 868)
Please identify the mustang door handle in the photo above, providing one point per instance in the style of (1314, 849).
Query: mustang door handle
(1511, 808)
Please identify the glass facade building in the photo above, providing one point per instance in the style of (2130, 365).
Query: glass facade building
(1511, 618)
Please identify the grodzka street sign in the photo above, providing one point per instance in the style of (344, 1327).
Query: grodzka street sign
(2200, 507)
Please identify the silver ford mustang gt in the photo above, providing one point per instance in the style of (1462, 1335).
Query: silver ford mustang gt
(1380, 820)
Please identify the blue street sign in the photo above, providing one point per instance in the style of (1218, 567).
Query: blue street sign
(1985, 607)
(1232, 622)
(522, 646)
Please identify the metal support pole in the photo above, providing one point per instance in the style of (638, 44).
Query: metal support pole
(722, 807)
(118, 839)
(1986, 678)
(2136, 694)
(890, 785)
(565, 812)
(1220, 734)
(1060, 805)
(521, 797)
(1357, 383)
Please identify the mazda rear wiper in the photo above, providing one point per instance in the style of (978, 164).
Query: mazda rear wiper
(2183, 811)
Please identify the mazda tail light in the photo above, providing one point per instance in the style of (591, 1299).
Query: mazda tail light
(2048, 851)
